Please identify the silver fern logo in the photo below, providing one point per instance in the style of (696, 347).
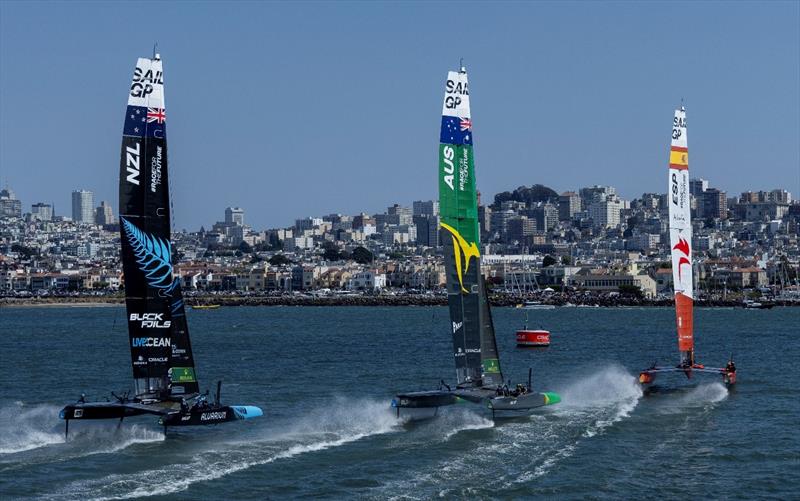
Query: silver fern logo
(153, 256)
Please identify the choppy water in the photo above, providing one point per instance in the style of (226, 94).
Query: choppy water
(325, 376)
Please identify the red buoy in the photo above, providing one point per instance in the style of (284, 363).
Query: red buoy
(526, 337)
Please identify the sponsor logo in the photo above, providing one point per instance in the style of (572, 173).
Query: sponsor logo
(208, 416)
(151, 320)
(157, 359)
(678, 126)
(77, 413)
(456, 326)
(155, 170)
(144, 81)
(462, 248)
(140, 361)
(150, 342)
(132, 163)
(463, 169)
(454, 90)
(682, 246)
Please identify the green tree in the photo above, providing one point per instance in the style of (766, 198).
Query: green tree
(631, 290)
(566, 260)
(245, 247)
(330, 252)
(279, 259)
(362, 255)
(548, 261)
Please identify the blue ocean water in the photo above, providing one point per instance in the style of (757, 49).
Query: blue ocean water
(325, 377)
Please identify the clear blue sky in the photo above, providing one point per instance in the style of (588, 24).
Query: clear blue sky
(290, 110)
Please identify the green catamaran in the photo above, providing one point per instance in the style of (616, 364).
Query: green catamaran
(478, 373)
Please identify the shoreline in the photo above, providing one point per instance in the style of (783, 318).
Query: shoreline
(368, 300)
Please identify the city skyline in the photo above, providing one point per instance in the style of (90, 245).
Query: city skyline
(236, 215)
(559, 94)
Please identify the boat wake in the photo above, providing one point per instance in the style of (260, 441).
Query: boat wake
(457, 422)
(603, 398)
(23, 427)
(33, 434)
(704, 396)
(337, 424)
(522, 450)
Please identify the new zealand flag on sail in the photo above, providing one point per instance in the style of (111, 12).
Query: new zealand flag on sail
(145, 122)
(456, 130)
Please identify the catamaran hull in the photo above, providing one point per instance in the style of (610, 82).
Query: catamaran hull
(211, 415)
(425, 405)
(105, 410)
(648, 376)
(521, 404)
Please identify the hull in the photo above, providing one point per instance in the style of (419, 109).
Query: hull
(425, 404)
(648, 376)
(211, 414)
(114, 410)
(533, 338)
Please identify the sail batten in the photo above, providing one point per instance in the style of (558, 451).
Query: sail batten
(161, 353)
(474, 346)
(680, 231)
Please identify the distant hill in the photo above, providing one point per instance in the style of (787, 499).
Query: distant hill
(529, 195)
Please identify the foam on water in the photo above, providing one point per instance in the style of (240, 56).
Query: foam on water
(610, 395)
(530, 448)
(26, 427)
(466, 420)
(703, 396)
(342, 422)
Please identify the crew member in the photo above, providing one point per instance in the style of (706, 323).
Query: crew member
(731, 367)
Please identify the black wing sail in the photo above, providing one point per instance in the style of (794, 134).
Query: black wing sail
(160, 351)
(464, 314)
(490, 358)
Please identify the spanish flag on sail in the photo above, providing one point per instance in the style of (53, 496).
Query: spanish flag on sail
(678, 158)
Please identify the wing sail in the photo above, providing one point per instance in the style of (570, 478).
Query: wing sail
(459, 228)
(680, 232)
(161, 354)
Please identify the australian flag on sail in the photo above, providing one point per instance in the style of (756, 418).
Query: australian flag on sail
(456, 130)
(142, 121)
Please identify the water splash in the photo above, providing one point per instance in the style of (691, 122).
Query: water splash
(522, 450)
(26, 427)
(456, 423)
(610, 395)
(341, 422)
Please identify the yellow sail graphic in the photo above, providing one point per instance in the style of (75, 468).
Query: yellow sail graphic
(461, 248)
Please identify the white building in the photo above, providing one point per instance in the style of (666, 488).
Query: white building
(83, 206)
(234, 215)
(605, 213)
(367, 281)
(42, 212)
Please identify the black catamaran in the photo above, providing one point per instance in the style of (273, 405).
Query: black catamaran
(165, 383)
(478, 374)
